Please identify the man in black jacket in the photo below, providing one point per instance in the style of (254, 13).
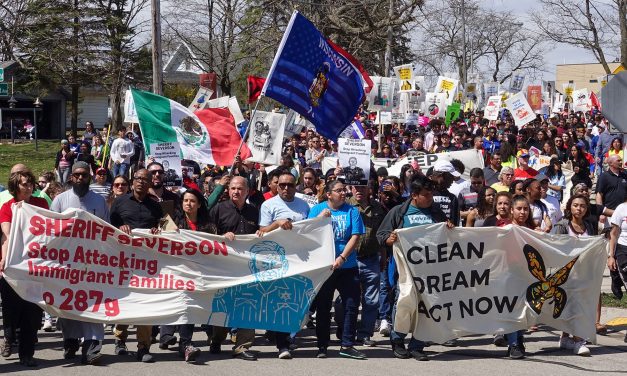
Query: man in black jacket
(419, 210)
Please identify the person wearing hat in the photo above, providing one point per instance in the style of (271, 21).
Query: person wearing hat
(524, 171)
(81, 197)
(100, 185)
(442, 176)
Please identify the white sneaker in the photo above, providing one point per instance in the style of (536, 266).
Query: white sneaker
(47, 326)
(285, 354)
(384, 329)
(567, 343)
(581, 349)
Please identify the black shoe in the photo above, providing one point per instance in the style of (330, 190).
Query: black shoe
(322, 353)
(399, 350)
(144, 356)
(120, 348)
(419, 355)
(245, 355)
(215, 348)
(191, 353)
(311, 323)
(499, 341)
(450, 343)
(167, 341)
(28, 362)
(515, 352)
(365, 342)
(69, 353)
(351, 352)
(92, 359)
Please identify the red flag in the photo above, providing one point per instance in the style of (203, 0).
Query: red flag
(594, 101)
(255, 84)
(356, 63)
(223, 135)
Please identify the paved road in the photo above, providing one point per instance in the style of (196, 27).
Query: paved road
(475, 356)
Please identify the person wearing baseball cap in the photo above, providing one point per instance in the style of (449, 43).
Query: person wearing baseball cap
(524, 171)
(442, 176)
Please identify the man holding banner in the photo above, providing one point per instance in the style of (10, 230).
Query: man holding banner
(418, 211)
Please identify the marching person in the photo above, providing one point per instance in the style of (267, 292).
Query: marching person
(347, 228)
(419, 210)
(136, 210)
(280, 212)
(18, 313)
(122, 150)
(81, 197)
(235, 217)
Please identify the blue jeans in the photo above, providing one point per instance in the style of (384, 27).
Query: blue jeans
(120, 169)
(398, 338)
(346, 281)
(369, 278)
(514, 338)
(64, 175)
(386, 293)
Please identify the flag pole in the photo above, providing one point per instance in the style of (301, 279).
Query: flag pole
(239, 149)
(106, 146)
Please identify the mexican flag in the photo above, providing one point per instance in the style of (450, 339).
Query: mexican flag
(205, 136)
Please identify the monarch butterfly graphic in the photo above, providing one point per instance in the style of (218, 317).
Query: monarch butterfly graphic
(547, 287)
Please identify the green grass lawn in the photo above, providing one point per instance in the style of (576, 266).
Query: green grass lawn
(39, 161)
(608, 300)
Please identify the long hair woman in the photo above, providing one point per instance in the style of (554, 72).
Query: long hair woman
(502, 211)
(484, 209)
(581, 166)
(557, 180)
(18, 313)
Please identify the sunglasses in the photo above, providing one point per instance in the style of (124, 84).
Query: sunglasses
(118, 185)
(80, 175)
(286, 185)
(155, 172)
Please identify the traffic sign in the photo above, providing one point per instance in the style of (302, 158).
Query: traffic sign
(4, 90)
(1, 74)
(614, 101)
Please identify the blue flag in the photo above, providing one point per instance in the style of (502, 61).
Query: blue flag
(314, 78)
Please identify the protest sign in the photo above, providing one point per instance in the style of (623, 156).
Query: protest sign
(470, 159)
(76, 266)
(418, 95)
(310, 200)
(380, 97)
(581, 100)
(354, 157)
(491, 89)
(436, 104)
(383, 117)
(169, 155)
(519, 108)
(130, 112)
(411, 119)
(405, 78)
(448, 86)
(569, 88)
(492, 108)
(452, 113)
(265, 139)
(558, 103)
(549, 87)
(534, 97)
(516, 81)
(398, 116)
(201, 99)
(459, 282)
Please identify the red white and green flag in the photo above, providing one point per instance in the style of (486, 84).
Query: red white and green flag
(205, 136)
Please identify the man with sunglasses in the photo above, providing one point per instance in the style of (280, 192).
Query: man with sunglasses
(158, 191)
(136, 210)
(81, 197)
(280, 212)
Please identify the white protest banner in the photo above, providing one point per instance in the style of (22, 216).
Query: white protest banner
(558, 103)
(76, 266)
(436, 104)
(310, 200)
(549, 87)
(383, 117)
(470, 158)
(519, 108)
(130, 113)
(464, 281)
(491, 89)
(398, 117)
(417, 97)
(169, 155)
(265, 139)
(405, 78)
(201, 99)
(516, 81)
(447, 86)
(380, 97)
(492, 108)
(581, 100)
(354, 156)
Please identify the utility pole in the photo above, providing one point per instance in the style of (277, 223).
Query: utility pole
(388, 42)
(463, 12)
(157, 61)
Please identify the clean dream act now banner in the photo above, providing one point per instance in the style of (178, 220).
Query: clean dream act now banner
(495, 280)
(76, 266)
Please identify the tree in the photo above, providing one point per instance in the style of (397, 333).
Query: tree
(586, 24)
(12, 20)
